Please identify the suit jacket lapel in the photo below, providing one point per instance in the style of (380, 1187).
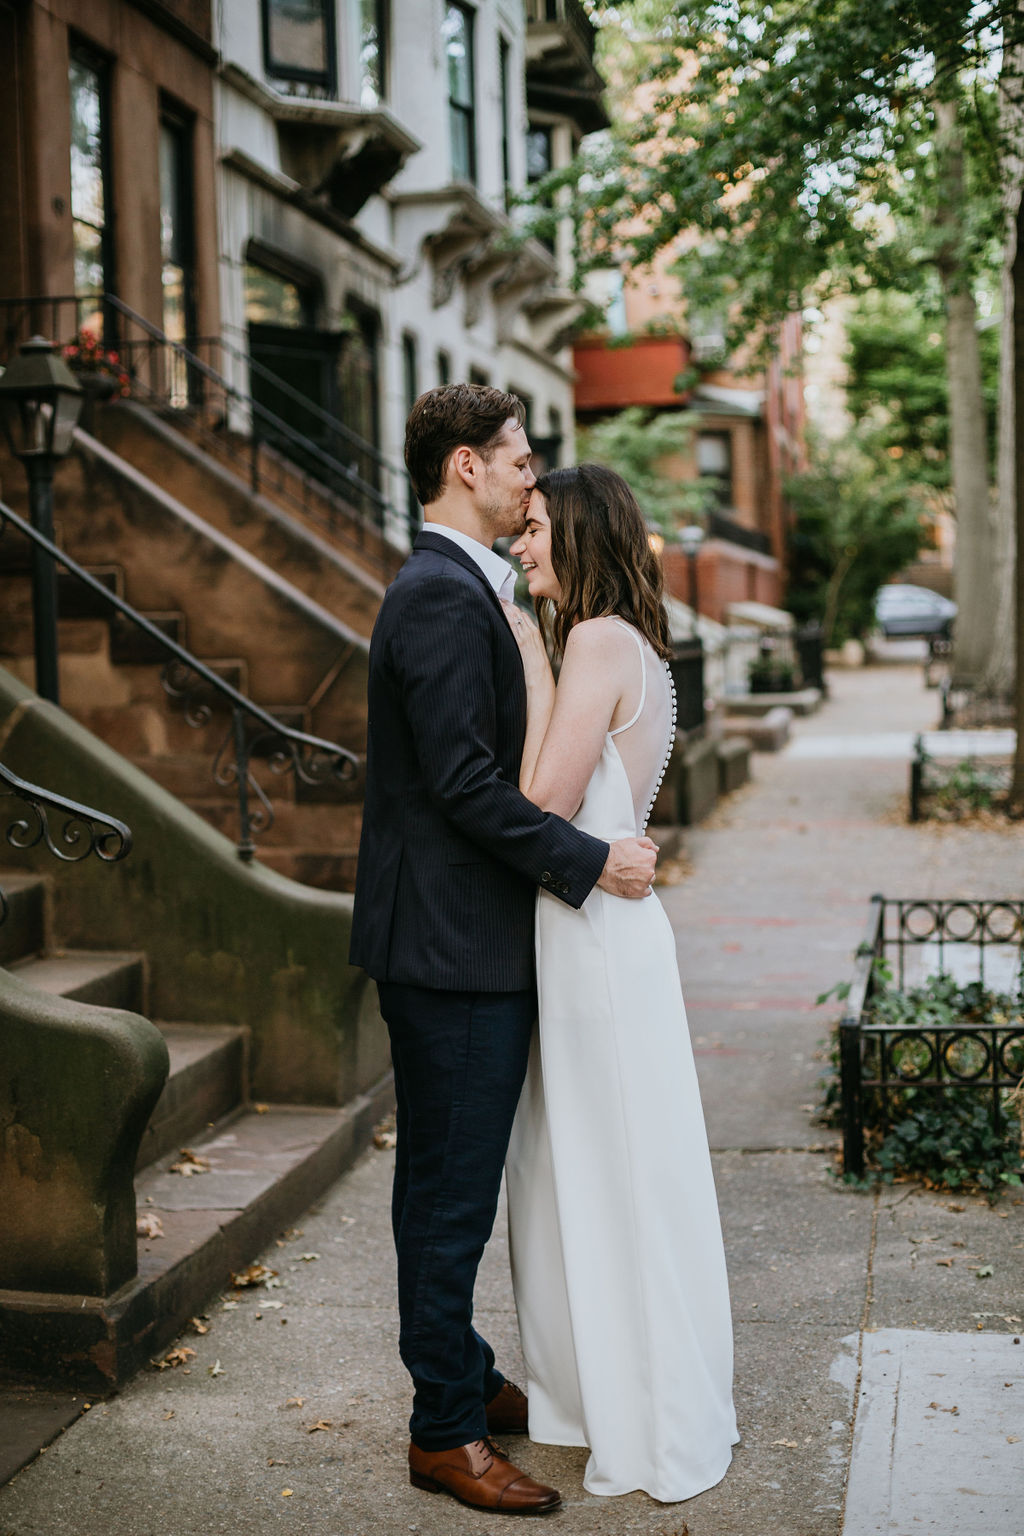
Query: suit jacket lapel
(443, 546)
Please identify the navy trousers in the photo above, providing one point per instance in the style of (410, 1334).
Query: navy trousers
(460, 1060)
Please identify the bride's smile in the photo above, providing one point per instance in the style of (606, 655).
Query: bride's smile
(533, 551)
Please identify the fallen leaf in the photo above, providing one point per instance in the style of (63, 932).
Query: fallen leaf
(198, 1326)
(271, 1306)
(272, 1461)
(216, 1369)
(169, 1415)
(984, 1272)
(307, 1258)
(384, 1134)
(320, 1424)
(256, 1274)
(791, 1445)
(294, 1402)
(190, 1163)
(178, 1356)
(940, 1409)
(149, 1225)
(1013, 1439)
(956, 1207)
(286, 1493)
(260, 1109)
(945, 1263)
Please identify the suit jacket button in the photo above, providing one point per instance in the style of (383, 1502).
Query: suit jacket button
(545, 878)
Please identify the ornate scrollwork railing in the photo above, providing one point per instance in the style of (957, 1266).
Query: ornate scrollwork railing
(252, 733)
(880, 1056)
(74, 832)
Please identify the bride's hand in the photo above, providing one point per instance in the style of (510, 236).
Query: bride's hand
(536, 666)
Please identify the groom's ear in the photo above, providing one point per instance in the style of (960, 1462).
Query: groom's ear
(465, 465)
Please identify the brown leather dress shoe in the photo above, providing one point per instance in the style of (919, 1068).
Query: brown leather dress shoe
(508, 1412)
(480, 1475)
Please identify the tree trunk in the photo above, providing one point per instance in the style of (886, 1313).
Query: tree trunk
(968, 445)
(1011, 380)
(999, 677)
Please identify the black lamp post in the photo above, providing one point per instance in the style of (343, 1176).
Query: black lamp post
(691, 538)
(40, 399)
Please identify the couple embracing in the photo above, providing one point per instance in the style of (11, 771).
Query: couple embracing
(528, 979)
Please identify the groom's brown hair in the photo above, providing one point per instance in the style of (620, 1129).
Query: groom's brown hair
(450, 417)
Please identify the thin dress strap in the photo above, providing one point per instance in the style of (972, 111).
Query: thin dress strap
(643, 673)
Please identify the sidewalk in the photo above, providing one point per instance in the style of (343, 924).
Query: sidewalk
(291, 1414)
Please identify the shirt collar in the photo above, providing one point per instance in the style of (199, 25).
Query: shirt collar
(499, 574)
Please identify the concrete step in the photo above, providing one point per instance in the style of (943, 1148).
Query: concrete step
(265, 1168)
(108, 980)
(206, 1083)
(24, 931)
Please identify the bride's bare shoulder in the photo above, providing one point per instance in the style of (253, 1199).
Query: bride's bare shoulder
(599, 637)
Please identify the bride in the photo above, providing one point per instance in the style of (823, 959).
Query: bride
(617, 1259)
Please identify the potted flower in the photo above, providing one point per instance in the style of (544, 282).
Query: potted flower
(99, 370)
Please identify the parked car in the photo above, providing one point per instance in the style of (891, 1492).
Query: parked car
(903, 609)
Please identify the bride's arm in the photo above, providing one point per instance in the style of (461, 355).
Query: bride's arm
(590, 685)
(540, 690)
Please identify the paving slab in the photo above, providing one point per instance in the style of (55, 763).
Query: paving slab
(939, 1442)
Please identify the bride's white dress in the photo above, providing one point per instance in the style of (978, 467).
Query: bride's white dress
(617, 1258)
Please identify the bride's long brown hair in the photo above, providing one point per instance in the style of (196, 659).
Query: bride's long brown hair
(602, 556)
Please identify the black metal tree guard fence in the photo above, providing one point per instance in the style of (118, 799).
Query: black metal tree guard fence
(879, 1059)
(77, 832)
(252, 733)
(965, 783)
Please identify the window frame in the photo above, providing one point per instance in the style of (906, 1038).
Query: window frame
(326, 78)
(460, 110)
(382, 17)
(100, 64)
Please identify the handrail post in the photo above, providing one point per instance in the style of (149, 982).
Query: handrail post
(246, 846)
(39, 468)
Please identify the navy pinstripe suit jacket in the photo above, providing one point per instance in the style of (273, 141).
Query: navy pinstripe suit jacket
(451, 853)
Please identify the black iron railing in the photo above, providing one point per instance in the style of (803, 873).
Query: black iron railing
(687, 668)
(251, 735)
(74, 832)
(334, 478)
(909, 941)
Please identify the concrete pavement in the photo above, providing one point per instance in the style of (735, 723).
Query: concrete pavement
(290, 1415)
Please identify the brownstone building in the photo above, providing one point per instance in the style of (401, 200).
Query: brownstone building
(107, 159)
(748, 430)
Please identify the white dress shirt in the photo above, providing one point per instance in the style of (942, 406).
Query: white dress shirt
(496, 569)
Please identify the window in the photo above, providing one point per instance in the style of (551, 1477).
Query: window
(373, 46)
(714, 464)
(506, 118)
(458, 42)
(298, 40)
(274, 300)
(90, 186)
(477, 376)
(410, 379)
(538, 153)
(176, 244)
(444, 368)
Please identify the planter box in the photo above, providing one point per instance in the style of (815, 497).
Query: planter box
(979, 941)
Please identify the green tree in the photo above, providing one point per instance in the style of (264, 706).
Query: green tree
(857, 522)
(640, 444)
(816, 147)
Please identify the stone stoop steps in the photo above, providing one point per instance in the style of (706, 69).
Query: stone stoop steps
(111, 682)
(264, 1165)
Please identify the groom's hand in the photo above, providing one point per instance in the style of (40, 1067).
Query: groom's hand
(629, 868)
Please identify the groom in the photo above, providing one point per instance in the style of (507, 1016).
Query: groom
(449, 863)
